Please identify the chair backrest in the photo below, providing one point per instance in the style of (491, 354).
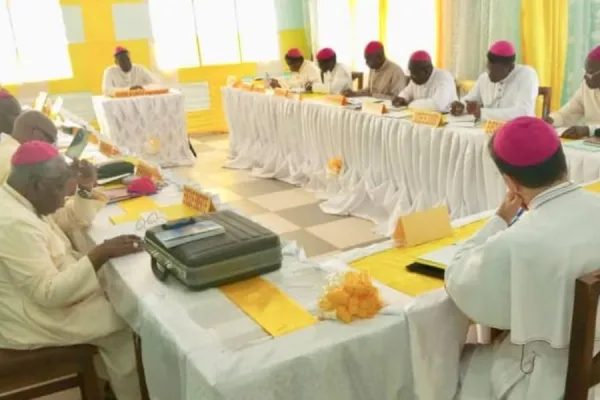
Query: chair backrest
(584, 369)
(360, 78)
(546, 93)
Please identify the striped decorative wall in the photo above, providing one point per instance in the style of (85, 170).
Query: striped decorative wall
(95, 27)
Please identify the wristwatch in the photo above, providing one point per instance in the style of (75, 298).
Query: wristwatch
(84, 193)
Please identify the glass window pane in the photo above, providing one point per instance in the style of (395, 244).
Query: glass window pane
(175, 44)
(366, 29)
(257, 24)
(9, 67)
(216, 27)
(334, 28)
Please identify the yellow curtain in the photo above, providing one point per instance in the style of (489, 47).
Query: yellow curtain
(544, 35)
(442, 20)
(383, 19)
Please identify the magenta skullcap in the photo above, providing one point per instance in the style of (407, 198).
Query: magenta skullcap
(502, 48)
(525, 142)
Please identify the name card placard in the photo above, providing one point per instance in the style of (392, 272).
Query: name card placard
(258, 89)
(294, 96)
(197, 200)
(491, 127)
(246, 87)
(281, 92)
(374, 108)
(336, 99)
(108, 149)
(238, 84)
(40, 102)
(147, 170)
(423, 226)
(429, 118)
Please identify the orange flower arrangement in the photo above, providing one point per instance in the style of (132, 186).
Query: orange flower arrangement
(335, 165)
(350, 296)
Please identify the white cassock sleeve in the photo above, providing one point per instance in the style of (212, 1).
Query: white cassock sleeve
(108, 83)
(478, 278)
(145, 77)
(441, 100)
(78, 212)
(35, 273)
(408, 93)
(341, 81)
(527, 88)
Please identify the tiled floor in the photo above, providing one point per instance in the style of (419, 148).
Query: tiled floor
(289, 211)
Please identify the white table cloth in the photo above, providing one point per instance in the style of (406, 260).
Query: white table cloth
(134, 124)
(391, 166)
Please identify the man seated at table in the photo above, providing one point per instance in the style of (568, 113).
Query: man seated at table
(304, 72)
(49, 292)
(386, 78)
(519, 275)
(10, 108)
(429, 88)
(506, 91)
(582, 113)
(335, 77)
(125, 75)
(30, 125)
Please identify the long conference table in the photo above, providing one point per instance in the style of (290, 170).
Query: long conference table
(200, 345)
(391, 167)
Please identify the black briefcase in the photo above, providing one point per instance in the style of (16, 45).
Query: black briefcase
(244, 250)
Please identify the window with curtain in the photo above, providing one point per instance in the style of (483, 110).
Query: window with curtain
(33, 45)
(411, 26)
(211, 32)
(346, 26)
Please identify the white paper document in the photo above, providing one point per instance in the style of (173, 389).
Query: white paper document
(440, 258)
(463, 120)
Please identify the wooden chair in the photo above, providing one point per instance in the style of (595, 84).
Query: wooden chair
(546, 93)
(359, 77)
(583, 369)
(28, 374)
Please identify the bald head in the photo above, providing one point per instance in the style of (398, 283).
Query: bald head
(33, 125)
(9, 111)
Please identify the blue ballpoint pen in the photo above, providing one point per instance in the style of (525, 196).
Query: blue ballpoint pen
(516, 218)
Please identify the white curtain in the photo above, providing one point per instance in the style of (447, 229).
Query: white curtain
(257, 27)
(33, 42)
(411, 26)
(476, 25)
(217, 31)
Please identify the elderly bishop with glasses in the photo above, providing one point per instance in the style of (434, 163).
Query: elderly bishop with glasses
(582, 113)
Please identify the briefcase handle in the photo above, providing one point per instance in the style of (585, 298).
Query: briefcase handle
(159, 270)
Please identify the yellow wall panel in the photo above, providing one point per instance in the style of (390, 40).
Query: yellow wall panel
(70, 2)
(97, 20)
(79, 82)
(98, 56)
(139, 50)
(293, 38)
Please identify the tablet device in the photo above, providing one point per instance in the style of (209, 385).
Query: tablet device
(80, 141)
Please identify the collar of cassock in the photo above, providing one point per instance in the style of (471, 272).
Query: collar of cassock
(20, 199)
(552, 193)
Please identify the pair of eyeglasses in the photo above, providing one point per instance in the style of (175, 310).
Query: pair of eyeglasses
(151, 220)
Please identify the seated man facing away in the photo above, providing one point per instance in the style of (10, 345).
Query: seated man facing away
(582, 112)
(30, 125)
(521, 278)
(335, 77)
(386, 78)
(506, 91)
(429, 88)
(10, 108)
(304, 72)
(125, 75)
(49, 293)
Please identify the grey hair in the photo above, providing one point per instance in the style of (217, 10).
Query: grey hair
(54, 170)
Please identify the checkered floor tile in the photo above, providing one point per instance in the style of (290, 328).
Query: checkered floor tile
(289, 211)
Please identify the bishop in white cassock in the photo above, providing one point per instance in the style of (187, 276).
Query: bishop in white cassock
(50, 294)
(125, 75)
(303, 72)
(506, 91)
(429, 88)
(582, 113)
(335, 77)
(518, 274)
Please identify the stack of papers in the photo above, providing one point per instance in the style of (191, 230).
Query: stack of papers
(440, 258)
(582, 145)
(406, 113)
(467, 121)
(186, 234)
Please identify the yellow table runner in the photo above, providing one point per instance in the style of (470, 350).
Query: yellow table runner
(389, 266)
(268, 306)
